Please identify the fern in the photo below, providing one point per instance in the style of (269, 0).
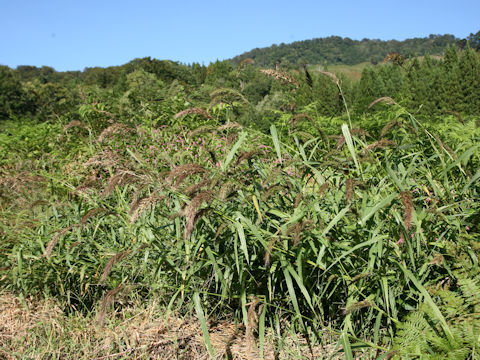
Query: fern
(420, 337)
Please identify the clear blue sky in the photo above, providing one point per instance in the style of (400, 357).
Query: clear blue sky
(74, 34)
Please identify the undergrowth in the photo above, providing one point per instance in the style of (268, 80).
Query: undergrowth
(369, 232)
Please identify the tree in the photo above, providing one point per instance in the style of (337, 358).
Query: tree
(370, 88)
(452, 96)
(469, 66)
(474, 41)
(11, 94)
(221, 73)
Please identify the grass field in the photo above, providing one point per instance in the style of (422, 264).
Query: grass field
(353, 72)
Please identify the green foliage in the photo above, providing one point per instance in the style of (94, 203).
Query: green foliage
(322, 96)
(419, 336)
(26, 140)
(220, 74)
(231, 192)
(311, 228)
(12, 101)
(474, 40)
(334, 50)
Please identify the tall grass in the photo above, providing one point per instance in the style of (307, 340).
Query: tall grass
(293, 232)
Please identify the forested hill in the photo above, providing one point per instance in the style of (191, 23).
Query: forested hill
(337, 50)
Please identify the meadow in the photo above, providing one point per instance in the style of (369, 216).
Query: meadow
(176, 229)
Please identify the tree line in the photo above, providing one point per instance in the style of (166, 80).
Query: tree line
(337, 50)
(430, 85)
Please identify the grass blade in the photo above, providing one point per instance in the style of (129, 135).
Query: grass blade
(232, 152)
(428, 300)
(335, 220)
(276, 142)
(369, 212)
(243, 241)
(261, 332)
(203, 324)
(347, 349)
(472, 180)
(351, 147)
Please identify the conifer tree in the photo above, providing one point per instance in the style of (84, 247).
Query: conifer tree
(452, 96)
(469, 66)
(370, 88)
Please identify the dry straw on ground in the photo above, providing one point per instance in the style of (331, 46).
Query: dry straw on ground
(138, 332)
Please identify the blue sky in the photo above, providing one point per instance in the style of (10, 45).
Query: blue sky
(74, 34)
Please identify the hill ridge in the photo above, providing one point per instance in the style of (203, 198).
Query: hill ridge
(339, 50)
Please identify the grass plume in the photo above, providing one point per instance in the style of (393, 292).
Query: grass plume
(193, 111)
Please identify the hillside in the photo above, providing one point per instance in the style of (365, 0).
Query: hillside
(158, 210)
(337, 50)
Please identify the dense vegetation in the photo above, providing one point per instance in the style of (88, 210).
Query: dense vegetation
(284, 200)
(337, 50)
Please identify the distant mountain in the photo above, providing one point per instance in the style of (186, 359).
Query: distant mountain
(338, 50)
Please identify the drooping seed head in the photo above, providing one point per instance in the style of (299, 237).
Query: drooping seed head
(384, 100)
(195, 111)
(116, 258)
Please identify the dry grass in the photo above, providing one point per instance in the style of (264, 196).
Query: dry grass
(43, 331)
(138, 206)
(121, 177)
(380, 144)
(230, 125)
(356, 306)
(281, 76)
(192, 209)
(248, 154)
(298, 117)
(92, 213)
(226, 96)
(445, 147)
(407, 203)
(105, 159)
(349, 189)
(74, 123)
(389, 126)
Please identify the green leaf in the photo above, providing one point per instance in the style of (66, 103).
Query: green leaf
(335, 220)
(472, 180)
(291, 289)
(351, 147)
(370, 211)
(203, 324)
(353, 249)
(346, 346)
(243, 241)
(232, 152)
(428, 300)
(276, 142)
(261, 331)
